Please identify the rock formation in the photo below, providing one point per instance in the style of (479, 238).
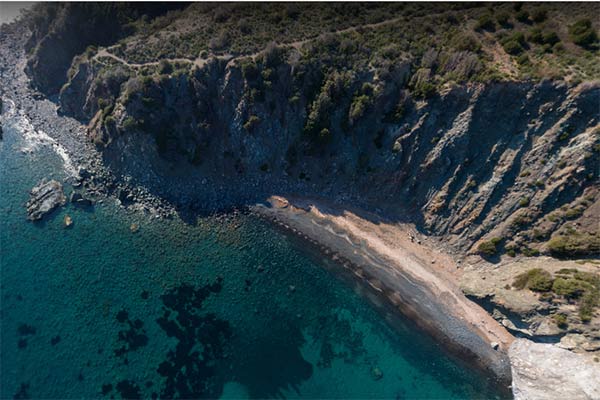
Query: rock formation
(44, 198)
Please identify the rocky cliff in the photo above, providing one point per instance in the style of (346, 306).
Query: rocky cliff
(510, 161)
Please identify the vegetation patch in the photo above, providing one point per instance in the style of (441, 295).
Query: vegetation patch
(489, 247)
(536, 279)
(580, 287)
(572, 244)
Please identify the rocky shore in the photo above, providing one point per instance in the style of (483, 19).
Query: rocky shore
(38, 115)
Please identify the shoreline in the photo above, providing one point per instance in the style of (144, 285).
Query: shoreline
(400, 279)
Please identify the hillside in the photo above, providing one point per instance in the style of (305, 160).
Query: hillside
(478, 123)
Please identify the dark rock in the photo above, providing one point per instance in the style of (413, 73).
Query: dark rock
(77, 199)
(45, 197)
(83, 173)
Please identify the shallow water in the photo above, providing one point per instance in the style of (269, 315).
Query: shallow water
(227, 308)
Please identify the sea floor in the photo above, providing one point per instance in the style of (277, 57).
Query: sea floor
(228, 307)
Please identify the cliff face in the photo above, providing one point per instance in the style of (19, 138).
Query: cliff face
(507, 160)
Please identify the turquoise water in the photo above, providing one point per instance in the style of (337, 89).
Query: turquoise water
(228, 308)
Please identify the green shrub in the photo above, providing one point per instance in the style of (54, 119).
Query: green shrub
(571, 288)
(536, 279)
(485, 22)
(249, 70)
(529, 252)
(561, 321)
(589, 301)
(573, 244)
(524, 202)
(539, 15)
(359, 105)
(523, 59)
(165, 67)
(130, 123)
(424, 90)
(522, 16)
(582, 33)
(573, 213)
(503, 19)
(514, 44)
(489, 247)
(512, 47)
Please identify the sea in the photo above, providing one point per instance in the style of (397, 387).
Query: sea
(226, 307)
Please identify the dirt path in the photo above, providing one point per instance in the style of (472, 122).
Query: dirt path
(200, 62)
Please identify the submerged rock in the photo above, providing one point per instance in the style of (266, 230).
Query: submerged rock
(544, 371)
(376, 373)
(45, 197)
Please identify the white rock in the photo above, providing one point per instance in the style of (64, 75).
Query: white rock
(546, 372)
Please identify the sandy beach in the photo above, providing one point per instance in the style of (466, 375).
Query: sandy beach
(406, 271)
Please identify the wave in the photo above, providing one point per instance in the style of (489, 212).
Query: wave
(33, 138)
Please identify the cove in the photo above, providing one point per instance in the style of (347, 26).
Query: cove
(226, 308)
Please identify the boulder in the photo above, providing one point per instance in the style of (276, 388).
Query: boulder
(45, 197)
(544, 371)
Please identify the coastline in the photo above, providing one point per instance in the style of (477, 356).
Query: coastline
(409, 276)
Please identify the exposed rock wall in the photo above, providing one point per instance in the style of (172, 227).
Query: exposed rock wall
(474, 162)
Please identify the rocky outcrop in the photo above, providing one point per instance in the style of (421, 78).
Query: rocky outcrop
(44, 198)
(539, 316)
(546, 372)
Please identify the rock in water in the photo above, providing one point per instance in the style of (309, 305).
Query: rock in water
(376, 373)
(44, 197)
(68, 221)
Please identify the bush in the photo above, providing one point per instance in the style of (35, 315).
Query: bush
(524, 202)
(359, 105)
(574, 244)
(582, 33)
(561, 321)
(522, 16)
(164, 67)
(250, 71)
(424, 90)
(485, 22)
(571, 288)
(536, 35)
(488, 248)
(539, 15)
(503, 19)
(513, 48)
(514, 44)
(536, 279)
